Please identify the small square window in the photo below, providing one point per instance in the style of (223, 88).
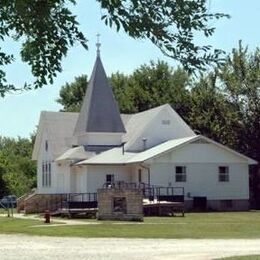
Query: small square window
(223, 174)
(110, 178)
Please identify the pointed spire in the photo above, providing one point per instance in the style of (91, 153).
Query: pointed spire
(99, 111)
(98, 44)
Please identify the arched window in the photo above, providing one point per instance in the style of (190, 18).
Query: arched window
(46, 146)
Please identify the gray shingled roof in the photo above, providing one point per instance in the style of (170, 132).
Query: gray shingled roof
(99, 112)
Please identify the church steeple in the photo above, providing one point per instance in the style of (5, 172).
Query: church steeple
(99, 112)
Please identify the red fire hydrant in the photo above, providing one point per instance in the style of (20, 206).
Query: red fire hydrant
(47, 216)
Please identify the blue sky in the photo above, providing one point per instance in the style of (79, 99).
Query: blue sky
(19, 113)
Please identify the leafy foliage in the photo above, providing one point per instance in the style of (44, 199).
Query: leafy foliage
(71, 94)
(17, 170)
(169, 24)
(157, 83)
(148, 86)
(47, 29)
(240, 78)
(226, 107)
(212, 114)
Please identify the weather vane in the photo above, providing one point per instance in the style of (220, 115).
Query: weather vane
(98, 44)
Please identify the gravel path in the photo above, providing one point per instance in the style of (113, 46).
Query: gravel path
(23, 247)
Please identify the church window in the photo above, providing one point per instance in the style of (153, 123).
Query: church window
(46, 146)
(49, 174)
(46, 174)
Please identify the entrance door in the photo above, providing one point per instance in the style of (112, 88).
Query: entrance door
(140, 179)
(73, 182)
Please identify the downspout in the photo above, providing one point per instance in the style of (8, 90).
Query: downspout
(123, 147)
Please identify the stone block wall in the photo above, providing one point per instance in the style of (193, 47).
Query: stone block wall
(109, 200)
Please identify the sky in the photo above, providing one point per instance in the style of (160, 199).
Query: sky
(19, 112)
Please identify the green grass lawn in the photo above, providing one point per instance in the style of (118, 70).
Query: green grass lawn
(4, 211)
(193, 225)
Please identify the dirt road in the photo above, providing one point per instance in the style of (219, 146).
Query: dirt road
(23, 247)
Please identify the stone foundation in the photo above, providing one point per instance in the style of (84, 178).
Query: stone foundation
(38, 203)
(221, 205)
(229, 205)
(120, 204)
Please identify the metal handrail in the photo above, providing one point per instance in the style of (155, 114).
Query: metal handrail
(156, 193)
(2, 205)
(61, 200)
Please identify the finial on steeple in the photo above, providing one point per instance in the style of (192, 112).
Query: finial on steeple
(98, 44)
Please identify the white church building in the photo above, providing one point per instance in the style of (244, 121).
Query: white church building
(79, 152)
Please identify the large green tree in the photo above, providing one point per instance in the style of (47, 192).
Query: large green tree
(240, 81)
(71, 94)
(17, 170)
(157, 83)
(148, 86)
(212, 114)
(226, 107)
(48, 28)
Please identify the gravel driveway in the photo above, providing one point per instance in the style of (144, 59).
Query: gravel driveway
(33, 247)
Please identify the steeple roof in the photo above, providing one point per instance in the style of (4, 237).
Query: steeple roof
(99, 111)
